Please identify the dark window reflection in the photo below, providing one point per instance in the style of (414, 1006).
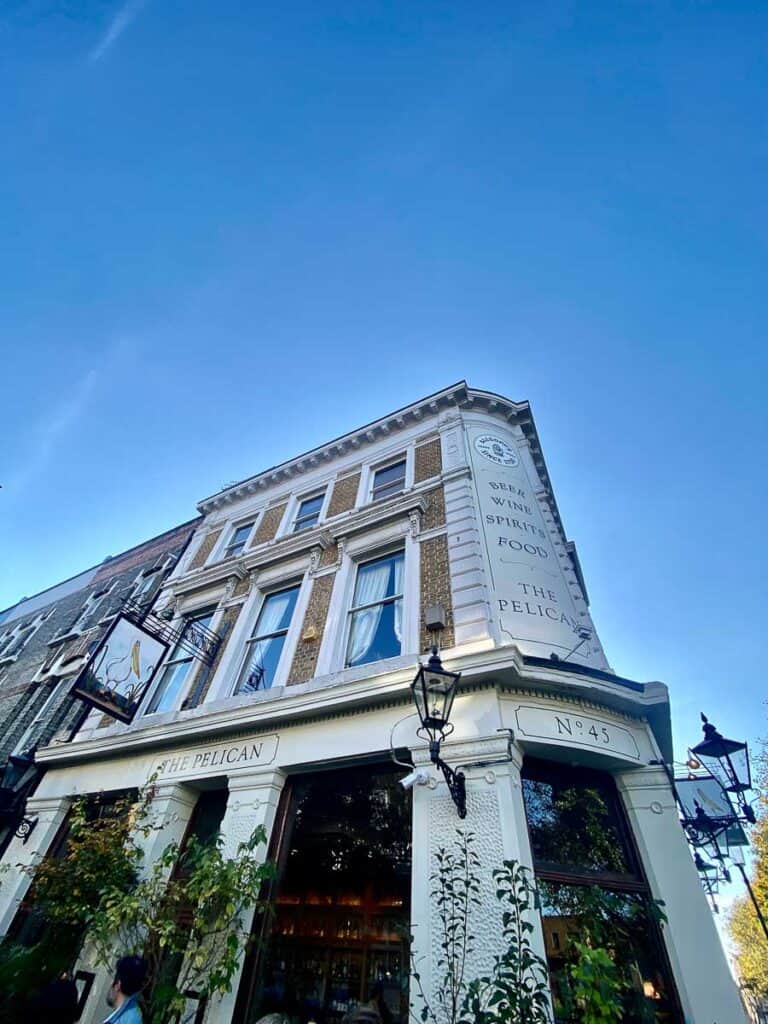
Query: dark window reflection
(342, 902)
(573, 820)
(592, 891)
(620, 923)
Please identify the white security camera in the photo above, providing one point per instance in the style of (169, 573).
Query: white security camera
(418, 777)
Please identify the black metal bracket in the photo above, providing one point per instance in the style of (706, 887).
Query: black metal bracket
(199, 641)
(25, 828)
(455, 781)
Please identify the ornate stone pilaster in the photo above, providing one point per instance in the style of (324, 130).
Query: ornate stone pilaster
(704, 983)
(253, 801)
(169, 814)
(496, 820)
(49, 813)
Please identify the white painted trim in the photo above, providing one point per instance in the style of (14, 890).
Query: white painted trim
(332, 655)
(217, 553)
(196, 668)
(294, 502)
(228, 681)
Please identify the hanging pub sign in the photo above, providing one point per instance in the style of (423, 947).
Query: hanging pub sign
(121, 669)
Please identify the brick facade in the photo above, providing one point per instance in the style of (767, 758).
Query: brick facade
(435, 586)
(202, 553)
(305, 658)
(435, 514)
(269, 525)
(428, 461)
(204, 678)
(330, 556)
(344, 495)
(145, 555)
(20, 698)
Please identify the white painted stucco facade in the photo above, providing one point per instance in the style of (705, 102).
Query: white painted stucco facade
(516, 598)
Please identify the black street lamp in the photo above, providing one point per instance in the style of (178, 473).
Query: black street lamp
(434, 689)
(728, 761)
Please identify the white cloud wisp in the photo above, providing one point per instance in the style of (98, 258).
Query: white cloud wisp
(117, 26)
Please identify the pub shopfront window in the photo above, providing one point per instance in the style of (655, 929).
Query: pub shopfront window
(591, 888)
(342, 901)
(376, 615)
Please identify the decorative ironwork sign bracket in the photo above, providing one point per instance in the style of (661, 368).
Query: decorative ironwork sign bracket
(199, 641)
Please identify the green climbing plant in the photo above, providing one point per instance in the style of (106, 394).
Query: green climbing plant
(515, 990)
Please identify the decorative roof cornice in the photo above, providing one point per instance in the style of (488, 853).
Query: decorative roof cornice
(457, 395)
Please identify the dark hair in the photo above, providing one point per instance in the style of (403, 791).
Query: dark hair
(131, 972)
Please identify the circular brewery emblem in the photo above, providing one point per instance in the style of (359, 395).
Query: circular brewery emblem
(496, 450)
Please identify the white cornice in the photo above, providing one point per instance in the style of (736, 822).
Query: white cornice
(294, 545)
(333, 696)
(457, 395)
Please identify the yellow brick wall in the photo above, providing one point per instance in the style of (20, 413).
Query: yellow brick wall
(428, 461)
(305, 658)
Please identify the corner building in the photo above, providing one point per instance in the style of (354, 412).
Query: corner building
(325, 579)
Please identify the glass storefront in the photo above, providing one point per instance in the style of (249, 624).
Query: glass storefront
(592, 891)
(339, 934)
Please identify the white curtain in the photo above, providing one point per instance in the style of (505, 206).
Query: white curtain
(399, 566)
(371, 586)
(272, 612)
(270, 619)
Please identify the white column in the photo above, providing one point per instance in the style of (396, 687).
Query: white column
(169, 814)
(496, 818)
(704, 982)
(253, 801)
(49, 813)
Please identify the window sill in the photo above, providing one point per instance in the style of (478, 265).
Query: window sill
(62, 638)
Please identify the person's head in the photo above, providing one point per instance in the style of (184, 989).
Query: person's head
(130, 975)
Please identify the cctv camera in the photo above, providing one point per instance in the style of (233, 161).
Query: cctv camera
(418, 777)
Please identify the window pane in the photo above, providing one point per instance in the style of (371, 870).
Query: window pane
(239, 537)
(171, 682)
(261, 664)
(389, 481)
(621, 923)
(174, 675)
(379, 579)
(573, 820)
(263, 654)
(276, 612)
(375, 633)
(309, 513)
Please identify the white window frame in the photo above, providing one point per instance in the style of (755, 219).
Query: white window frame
(390, 599)
(333, 649)
(368, 474)
(92, 602)
(140, 582)
(308, 496)
(380, 469)
(291, 634)
(230, 535)
(58, 687)
(191, 612)
(12, 635)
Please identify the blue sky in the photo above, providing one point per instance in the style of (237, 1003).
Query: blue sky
(232, 231)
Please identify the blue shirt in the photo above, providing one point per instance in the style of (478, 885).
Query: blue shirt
(128, 1013)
